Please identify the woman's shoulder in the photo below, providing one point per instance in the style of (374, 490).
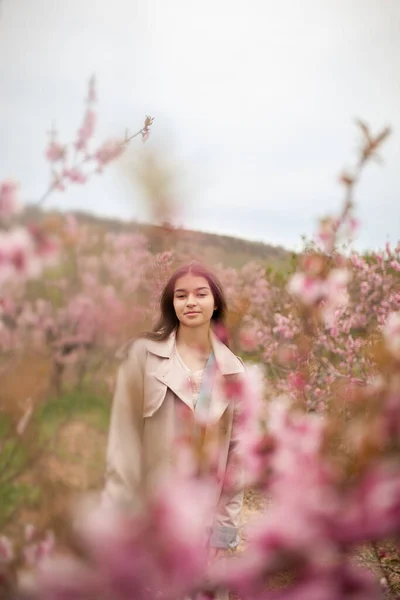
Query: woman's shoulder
(228, 362)
(141, 345)
(136, 346)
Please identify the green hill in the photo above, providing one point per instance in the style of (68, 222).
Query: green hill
(210, 247)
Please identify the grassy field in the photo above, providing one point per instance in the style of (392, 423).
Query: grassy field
(63, 456)
(60, 456)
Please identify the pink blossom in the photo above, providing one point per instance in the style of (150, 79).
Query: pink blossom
(308, 289)
(285, 326)
(20, 249)
(395, 264)
(75, 175)
(297, 381)
(87, 130)
(302, 531)
(9, 204)
(35, 553)
(337, 282)
(160, 553)
(6, 550)
(24, 253)
(108, 152)
(17, 254)
(221, 332)
(353, 225)
(331, 292)
(58, 183)
(29, 532)
(326, 233)
(300, 437)
(55, 151)
(336, 295)
(249, 436)
(248, 339)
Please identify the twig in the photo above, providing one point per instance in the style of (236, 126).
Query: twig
(383, 569)
(87, 158)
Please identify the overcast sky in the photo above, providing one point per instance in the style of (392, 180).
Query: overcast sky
(253, 100)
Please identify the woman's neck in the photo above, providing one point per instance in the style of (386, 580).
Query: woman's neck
(194, 338)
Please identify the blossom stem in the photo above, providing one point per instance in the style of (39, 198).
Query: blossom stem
(52, 187)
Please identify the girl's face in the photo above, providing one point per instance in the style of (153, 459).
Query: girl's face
(193, 301)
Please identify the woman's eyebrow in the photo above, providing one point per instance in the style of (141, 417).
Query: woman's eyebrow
(196, 290)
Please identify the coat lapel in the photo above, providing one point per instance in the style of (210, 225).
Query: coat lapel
(171, 374)
(228, 366)
(228, 363)
(169, 371)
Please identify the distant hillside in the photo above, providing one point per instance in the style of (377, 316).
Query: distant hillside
(210, 247)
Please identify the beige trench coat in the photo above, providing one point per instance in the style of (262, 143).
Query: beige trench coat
(150, 381)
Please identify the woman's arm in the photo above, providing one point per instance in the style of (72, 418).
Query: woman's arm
(124, 449)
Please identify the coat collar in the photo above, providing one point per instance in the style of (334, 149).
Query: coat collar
(227, 362)
(170, 373)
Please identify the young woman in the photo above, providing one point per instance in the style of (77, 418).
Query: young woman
(163, 374)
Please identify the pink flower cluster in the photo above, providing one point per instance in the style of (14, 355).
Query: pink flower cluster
(158, 553)
(330, 292)
(24, 253)
(99, 304)
(6, 550)
(78, 168)
(312, 525)
(351, 302)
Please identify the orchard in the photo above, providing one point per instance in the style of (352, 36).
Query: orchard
(319, 425)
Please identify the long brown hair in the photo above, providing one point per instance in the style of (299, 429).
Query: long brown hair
(168, 320)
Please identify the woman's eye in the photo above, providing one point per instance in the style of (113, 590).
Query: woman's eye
(202, 295)
(180, 297)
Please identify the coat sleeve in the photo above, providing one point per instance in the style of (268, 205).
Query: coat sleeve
(225, 532)
(124, 449)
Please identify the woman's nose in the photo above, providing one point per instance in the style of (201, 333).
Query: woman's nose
(191, 301)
